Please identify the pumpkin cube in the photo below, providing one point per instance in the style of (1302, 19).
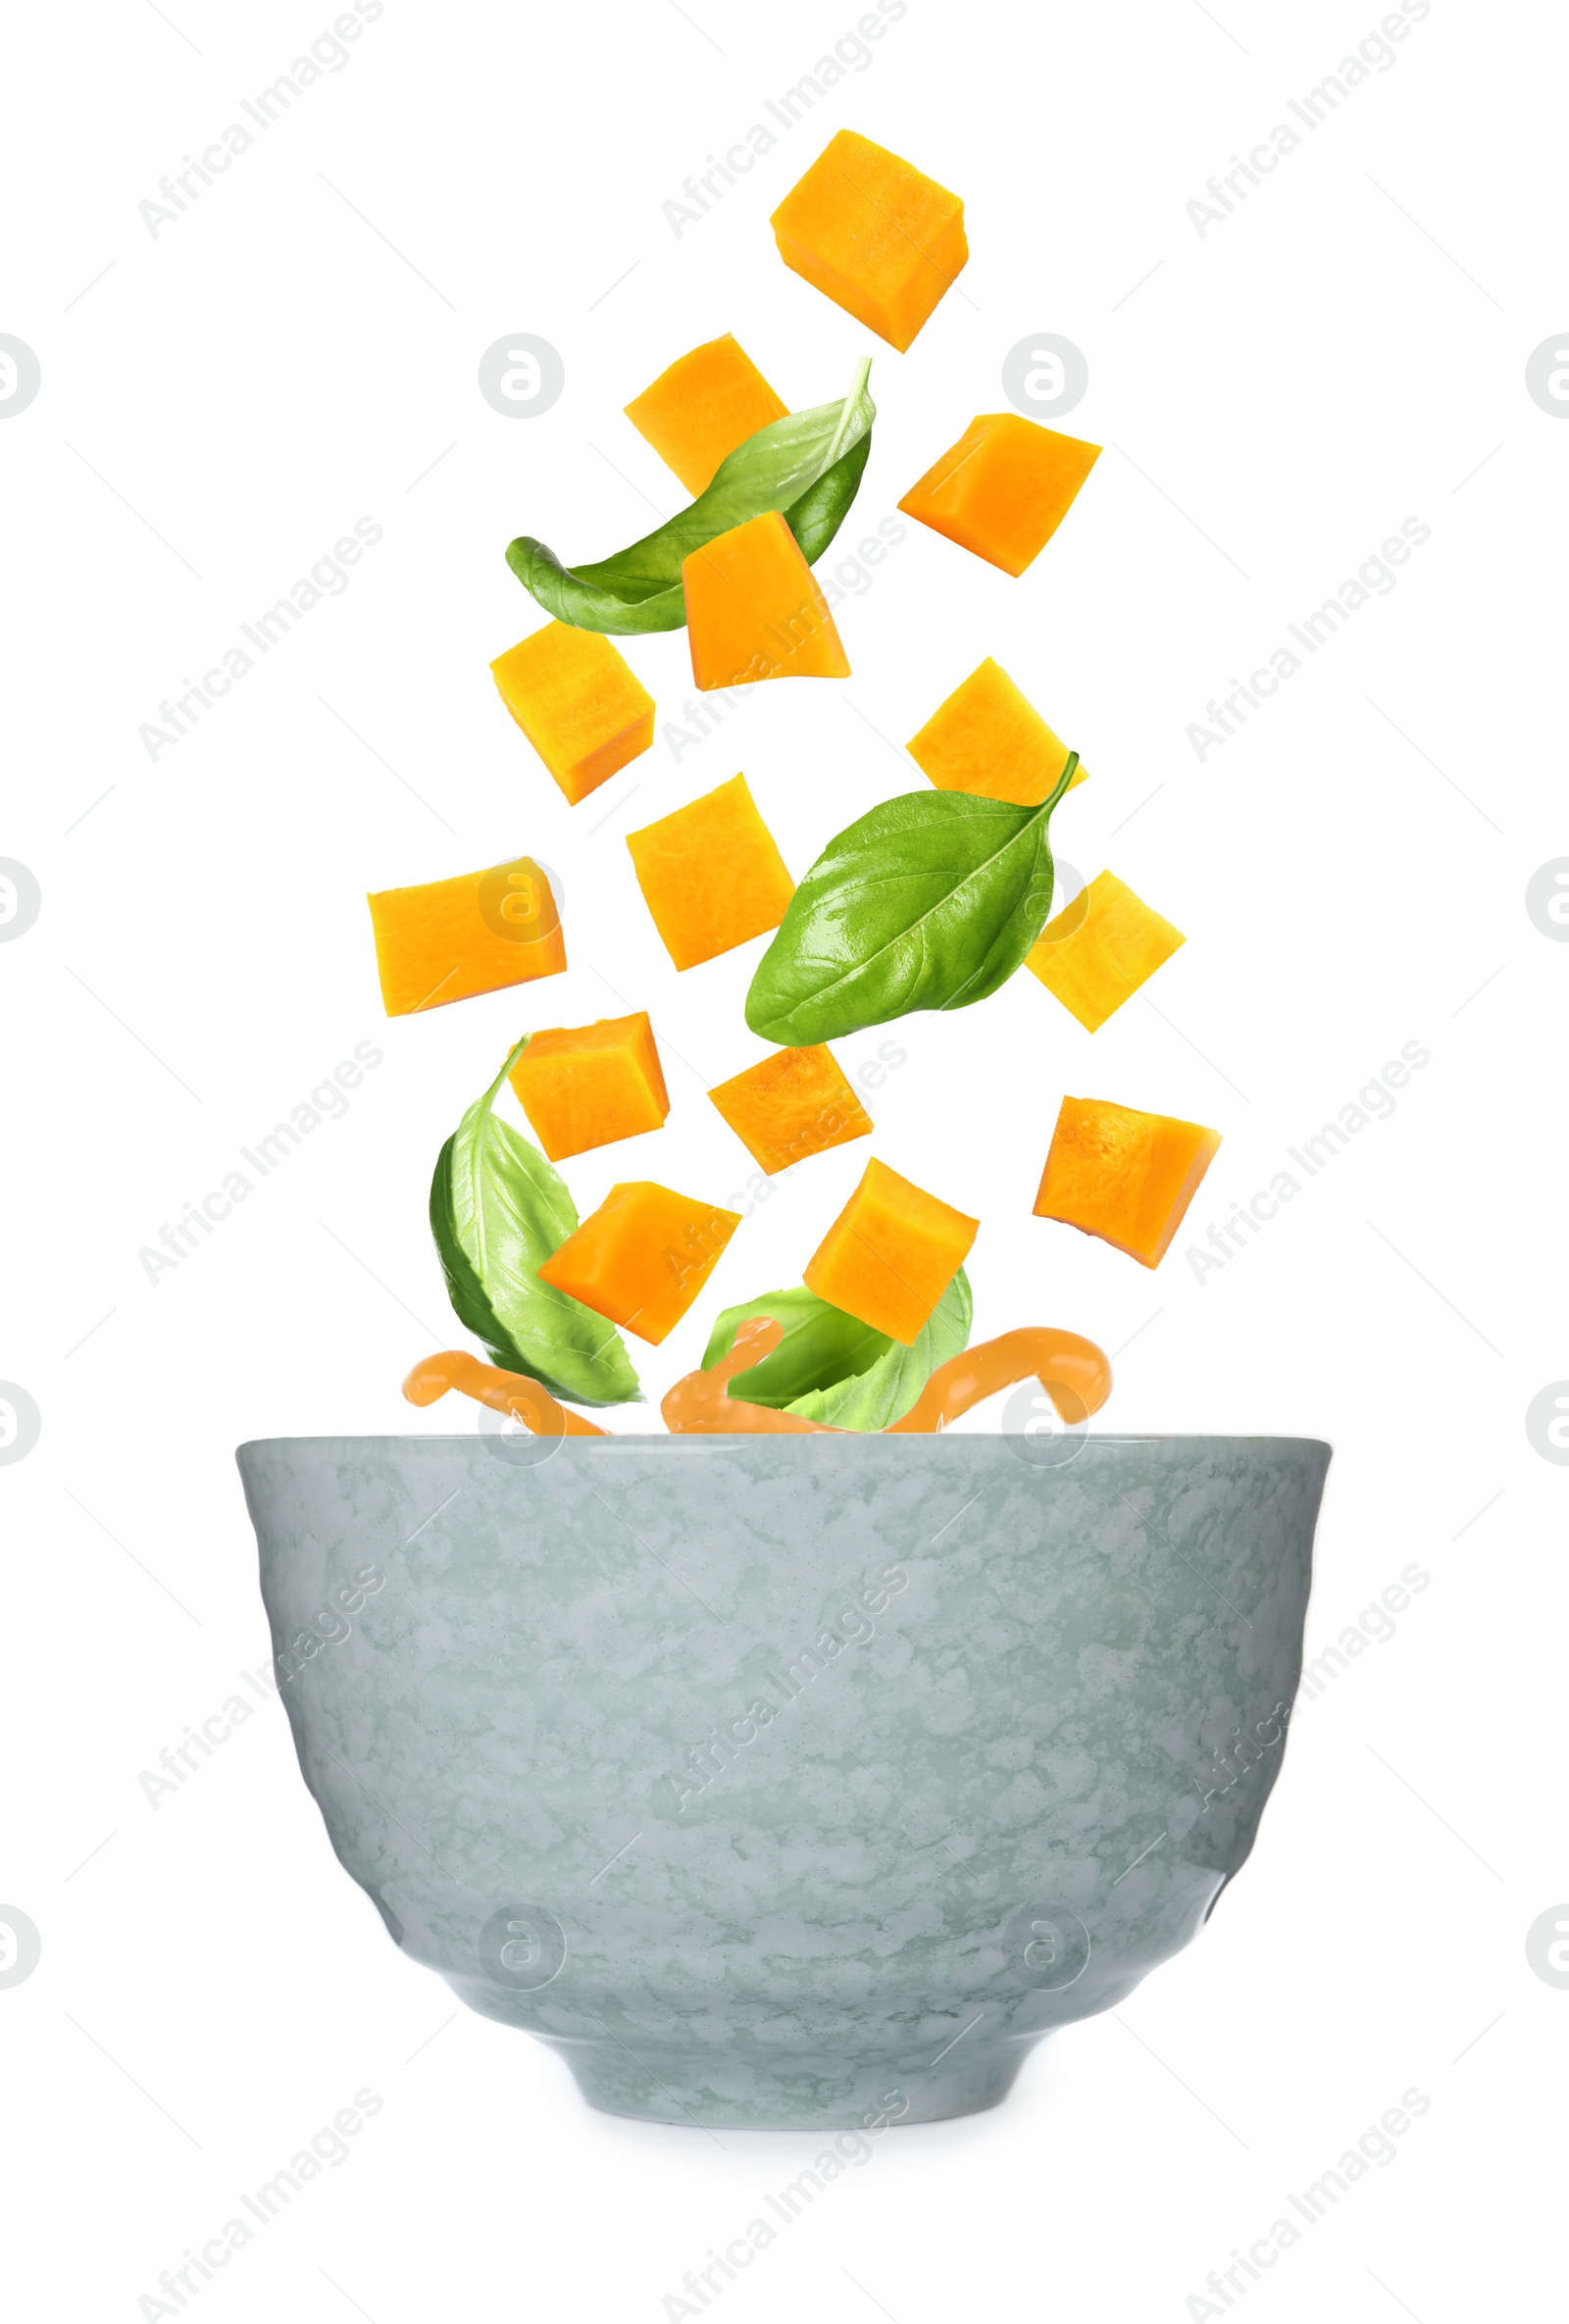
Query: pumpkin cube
(703, 407)
(891, 1254)
(1101, 949)
(585, 1086)
(754, 609)
(986, 738)
(711, 875)
(875, 237)
(791, 1105)
(578, 702)
(1122, 1175)
(452, 938)
(641, 1258)
(1003, 488)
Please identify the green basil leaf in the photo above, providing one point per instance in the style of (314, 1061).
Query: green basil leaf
(931, 901)
(820, 1347)
(808, 466)
(829, 1367)
(498, 1210)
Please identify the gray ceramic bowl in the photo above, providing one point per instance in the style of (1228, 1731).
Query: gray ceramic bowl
(789, 1782)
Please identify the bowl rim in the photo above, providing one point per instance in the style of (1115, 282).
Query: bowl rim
(660, 1442)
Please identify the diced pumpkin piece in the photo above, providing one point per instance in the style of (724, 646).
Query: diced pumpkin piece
(891, 1254)
(711, 875)
(1101, 949)
(641, 1258)
(703, 407)
(1003, 488)
(455, 938)
(585, 1086)
(578, 702)
(986, 738)
(754, 609)
(873, 234)
(791, 1105)
(1125, 1176)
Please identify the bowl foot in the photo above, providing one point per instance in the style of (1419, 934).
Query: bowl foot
(842, 2089)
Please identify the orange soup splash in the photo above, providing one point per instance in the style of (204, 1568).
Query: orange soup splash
(1074, 1373)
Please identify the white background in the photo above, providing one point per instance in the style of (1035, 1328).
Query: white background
(1345, 351)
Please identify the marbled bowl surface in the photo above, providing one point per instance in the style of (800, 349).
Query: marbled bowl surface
(765, 1777)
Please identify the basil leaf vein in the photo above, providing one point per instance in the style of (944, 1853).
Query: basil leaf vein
(829, 1367)
(929, 901)
(498, 1210)
(808, 466)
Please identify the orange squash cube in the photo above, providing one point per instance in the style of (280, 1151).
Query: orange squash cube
(754, 609)
(875, 237)
(1124, 1176)
(791, 1105)
(711, 875)
(641, 1258)
(578, 702)
(585, 1086)
(452, 938)
(1101, 949)
(703, 407)
(891, 1254)
(1003, 488)
(988, 740)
